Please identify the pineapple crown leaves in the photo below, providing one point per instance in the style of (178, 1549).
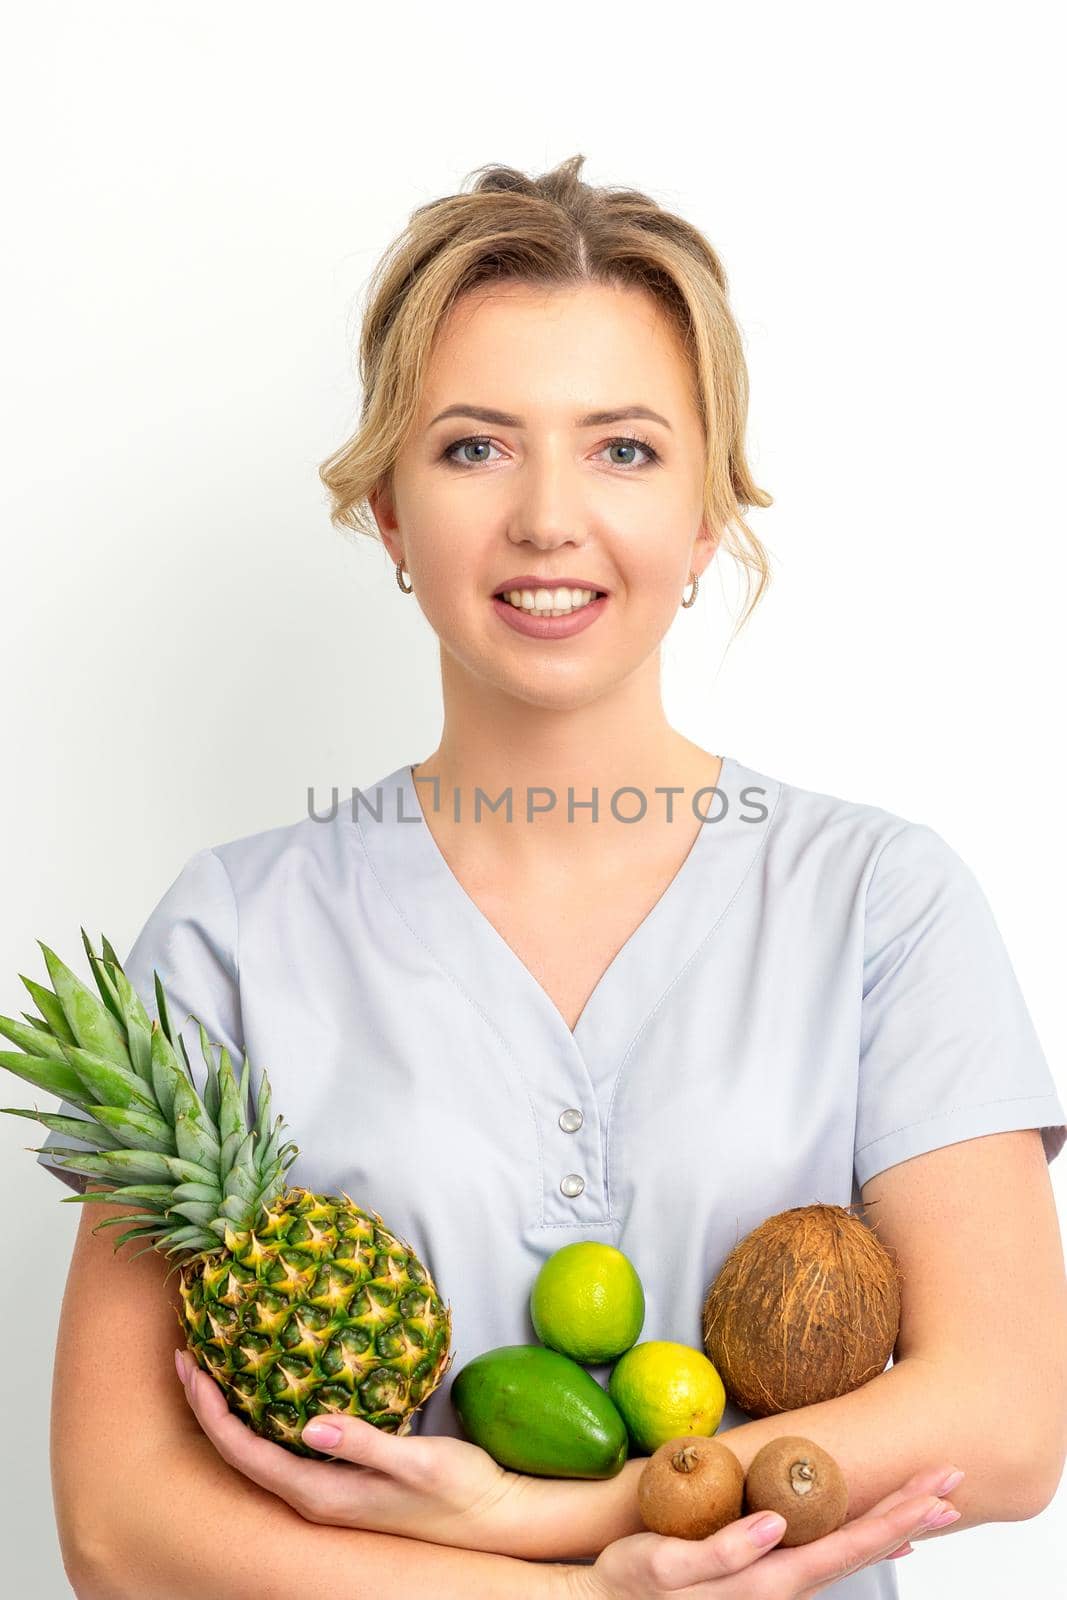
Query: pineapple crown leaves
(197, 1165)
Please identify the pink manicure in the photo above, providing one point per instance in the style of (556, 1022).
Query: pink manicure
(943, 1518)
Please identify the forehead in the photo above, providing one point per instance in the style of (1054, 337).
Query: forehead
(588, 344)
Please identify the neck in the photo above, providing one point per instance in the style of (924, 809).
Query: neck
(615, 743)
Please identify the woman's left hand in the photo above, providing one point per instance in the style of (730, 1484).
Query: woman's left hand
(436, 1487)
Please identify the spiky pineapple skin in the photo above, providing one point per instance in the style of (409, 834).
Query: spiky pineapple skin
(317, 1308)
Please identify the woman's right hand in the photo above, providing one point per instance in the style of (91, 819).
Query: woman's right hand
(728, 1565)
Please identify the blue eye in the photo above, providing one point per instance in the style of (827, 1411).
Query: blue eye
(639, 444)
(475, 439)
(482, 442)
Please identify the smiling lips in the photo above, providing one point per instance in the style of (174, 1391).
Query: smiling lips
(539, 616)
(541, 598)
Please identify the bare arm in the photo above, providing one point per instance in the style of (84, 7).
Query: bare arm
(983, 1337)
(979, 1374)
(146, 1508)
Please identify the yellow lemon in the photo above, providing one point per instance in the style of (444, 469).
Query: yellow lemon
(665, 1390)
(587, 1302)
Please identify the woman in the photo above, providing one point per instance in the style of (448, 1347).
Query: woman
(638, 992)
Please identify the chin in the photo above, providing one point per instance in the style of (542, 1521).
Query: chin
(551, 685)
(556, 692)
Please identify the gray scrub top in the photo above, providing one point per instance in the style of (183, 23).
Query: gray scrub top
(820, 993)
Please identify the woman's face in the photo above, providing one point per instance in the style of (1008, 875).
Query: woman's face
(540, 490)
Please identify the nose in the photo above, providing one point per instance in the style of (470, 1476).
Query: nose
(548, 509)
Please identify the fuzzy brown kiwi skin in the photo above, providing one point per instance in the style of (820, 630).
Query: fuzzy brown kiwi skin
(690, 1487)
(802, 1481)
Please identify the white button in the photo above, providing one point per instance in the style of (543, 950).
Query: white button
(572, 1185)
(570, 1121)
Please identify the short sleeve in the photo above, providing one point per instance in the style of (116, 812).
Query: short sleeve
(947, 1047)
(191, 940)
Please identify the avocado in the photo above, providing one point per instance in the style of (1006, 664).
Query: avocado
(539, 1412)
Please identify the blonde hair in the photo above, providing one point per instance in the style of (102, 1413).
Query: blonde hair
(556, 231)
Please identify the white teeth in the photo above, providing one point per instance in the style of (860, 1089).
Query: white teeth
(550, 602)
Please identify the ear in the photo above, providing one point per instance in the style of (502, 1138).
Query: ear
(380, 500)
(704, 549)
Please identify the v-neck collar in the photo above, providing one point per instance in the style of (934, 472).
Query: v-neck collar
(417, 879)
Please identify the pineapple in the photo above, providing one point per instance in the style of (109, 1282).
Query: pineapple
(296, 1303)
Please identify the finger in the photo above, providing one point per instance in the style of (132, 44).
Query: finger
(928, 1480)
(266, 1463)
(356, 1440)
(678, 1563)
(869, 1538)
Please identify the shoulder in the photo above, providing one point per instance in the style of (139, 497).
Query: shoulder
(293, 868)
(844, 837)
(283, 857)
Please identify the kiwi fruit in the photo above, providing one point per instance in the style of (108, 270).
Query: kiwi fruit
(690, 1487)
(799, 1479)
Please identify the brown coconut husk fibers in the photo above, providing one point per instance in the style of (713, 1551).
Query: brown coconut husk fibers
(805, 1308)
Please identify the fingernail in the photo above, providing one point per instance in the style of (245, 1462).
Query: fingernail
(940, 1517)
(952, 1481)
(766, 1529)
(905, 1550)
(178, 1365)
(321, 1434)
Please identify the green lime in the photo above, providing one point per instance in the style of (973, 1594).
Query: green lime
(587, 1302)
(665, 1390)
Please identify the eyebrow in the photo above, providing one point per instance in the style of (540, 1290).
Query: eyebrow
(592, 419)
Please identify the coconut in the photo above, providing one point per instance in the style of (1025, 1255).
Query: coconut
(806, 1307)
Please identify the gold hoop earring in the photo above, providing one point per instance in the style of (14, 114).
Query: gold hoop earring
(696, 585)
(407, 587)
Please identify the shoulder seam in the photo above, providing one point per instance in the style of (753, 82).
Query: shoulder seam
(236, 915)
(906, 824)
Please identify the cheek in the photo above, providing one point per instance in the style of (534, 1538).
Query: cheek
(452, 580)
(450, 557)
(653, 560)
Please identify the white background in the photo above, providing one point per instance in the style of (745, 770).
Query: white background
(193, 198)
